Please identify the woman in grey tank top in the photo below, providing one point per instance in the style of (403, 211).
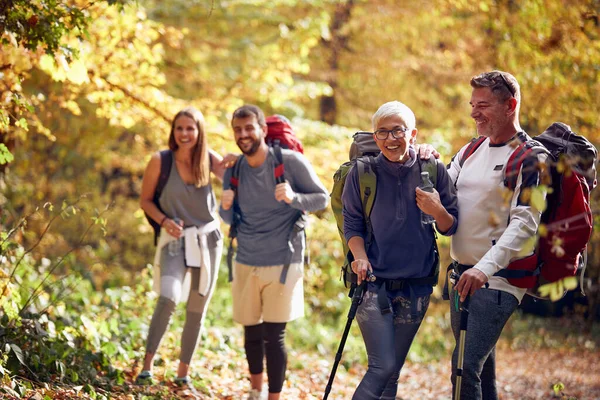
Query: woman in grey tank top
(186, 206)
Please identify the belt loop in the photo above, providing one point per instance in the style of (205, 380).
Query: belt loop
(499, 297)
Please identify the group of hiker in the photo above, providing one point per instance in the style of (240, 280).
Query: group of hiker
(267, 192)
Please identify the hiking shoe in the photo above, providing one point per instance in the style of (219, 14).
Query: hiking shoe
(144, 378)
(185, 389)
(254, 395)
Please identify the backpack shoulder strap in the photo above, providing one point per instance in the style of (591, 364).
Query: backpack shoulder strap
(279, 169)
(471, 148)
(234, 181)
(522, 153)
(166, 160)
(367, 179)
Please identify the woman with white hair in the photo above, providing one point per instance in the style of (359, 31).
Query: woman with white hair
(401, 251)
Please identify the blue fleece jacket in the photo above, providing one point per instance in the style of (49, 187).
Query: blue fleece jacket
(401, 247)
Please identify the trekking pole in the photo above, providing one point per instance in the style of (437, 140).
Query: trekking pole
(356, 300)
(464, 318)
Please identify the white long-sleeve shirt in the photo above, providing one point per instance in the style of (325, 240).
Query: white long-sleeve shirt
(491, 232)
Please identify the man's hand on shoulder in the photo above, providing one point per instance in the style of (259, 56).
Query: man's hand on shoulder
(284, 192)
(426, 151)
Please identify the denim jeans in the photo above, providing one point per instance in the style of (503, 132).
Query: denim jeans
(382, 333)
(489, 310)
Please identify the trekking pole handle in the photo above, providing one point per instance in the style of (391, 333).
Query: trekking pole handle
(370, 276)
(454, 277)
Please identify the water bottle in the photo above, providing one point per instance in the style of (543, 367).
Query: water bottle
(426, 186)
(174, 246)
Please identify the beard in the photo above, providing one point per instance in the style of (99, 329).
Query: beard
(253, 149)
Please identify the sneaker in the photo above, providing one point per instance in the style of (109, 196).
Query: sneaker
(144, 378)
(254, 394)
(185, 389)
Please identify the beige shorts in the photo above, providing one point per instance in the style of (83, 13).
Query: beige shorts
(258, 296)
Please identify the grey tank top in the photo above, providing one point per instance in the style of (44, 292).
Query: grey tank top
(195, 206)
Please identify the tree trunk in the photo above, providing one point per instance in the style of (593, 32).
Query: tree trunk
(337, 43)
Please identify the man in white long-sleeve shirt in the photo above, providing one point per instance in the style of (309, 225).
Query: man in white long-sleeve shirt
(490, 234)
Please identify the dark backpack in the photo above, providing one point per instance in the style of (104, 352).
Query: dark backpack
(571, 166)
(279, 135)
(166, 160)
(363, 151)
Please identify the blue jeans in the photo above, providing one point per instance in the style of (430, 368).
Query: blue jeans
(489, 310)
(381, 333)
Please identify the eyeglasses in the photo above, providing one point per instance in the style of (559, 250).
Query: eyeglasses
(510, 89)
(397, 133)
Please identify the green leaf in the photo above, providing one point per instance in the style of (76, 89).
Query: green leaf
(528, 246)
(89, 389)
(4, 120)
(556, 290)
(22, 123)
(74, 377)
(570, 283)
(19, 353)
(538, 199)
(10, 305)
(110, 348)
(558, 387)
(5, 154)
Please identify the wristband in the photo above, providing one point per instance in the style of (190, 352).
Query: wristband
(162, 221)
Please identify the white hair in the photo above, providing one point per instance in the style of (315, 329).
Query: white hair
(392, 108)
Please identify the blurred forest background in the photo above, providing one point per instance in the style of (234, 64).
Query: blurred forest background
(88, 90)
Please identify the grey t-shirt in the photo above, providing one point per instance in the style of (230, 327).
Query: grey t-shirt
(265, 227)
(195, 206)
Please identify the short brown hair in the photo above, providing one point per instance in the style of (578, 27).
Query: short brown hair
(503, 85)
(248, 110)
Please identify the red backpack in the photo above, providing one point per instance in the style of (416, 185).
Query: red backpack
(568, 217)
(280, 133)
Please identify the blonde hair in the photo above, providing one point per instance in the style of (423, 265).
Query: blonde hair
(393, 108)
(200, 156)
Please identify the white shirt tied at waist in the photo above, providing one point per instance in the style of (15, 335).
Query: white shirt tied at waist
(196, 256)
